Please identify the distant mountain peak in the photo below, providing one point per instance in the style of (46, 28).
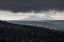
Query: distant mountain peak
(33, 17)
(47, 17)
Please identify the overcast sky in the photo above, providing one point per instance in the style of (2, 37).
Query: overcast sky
(31, 5)
(24, 9)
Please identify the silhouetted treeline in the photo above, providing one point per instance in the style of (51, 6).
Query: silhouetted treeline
(10, 32)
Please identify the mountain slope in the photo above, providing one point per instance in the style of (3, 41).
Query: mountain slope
(10, 32)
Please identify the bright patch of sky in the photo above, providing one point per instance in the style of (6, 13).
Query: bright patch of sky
(7, 15)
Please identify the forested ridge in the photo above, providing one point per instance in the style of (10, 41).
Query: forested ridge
(10, 32)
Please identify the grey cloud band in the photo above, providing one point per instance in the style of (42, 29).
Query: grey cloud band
(31, 5)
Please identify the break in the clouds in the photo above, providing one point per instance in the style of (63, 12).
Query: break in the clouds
(31, 5)
(49, 15)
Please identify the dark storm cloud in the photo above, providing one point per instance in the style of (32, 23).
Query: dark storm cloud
(31, 5)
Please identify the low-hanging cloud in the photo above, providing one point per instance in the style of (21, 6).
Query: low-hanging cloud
(31, 5)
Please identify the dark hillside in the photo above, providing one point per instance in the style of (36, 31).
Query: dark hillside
(52, 24)
(10, 32)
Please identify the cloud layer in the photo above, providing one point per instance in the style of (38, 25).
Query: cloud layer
(31, 5)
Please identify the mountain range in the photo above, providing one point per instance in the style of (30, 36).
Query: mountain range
(33, 17)
(52, 24)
